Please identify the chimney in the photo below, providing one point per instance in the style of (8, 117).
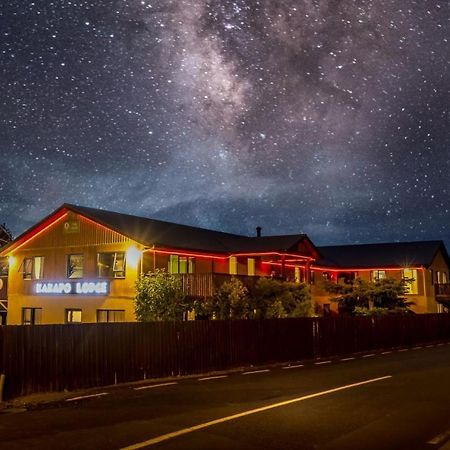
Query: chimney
(258, 231)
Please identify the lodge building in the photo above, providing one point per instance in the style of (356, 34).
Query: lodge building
(80, 265)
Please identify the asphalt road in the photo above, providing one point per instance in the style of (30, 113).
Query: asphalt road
(396, 400)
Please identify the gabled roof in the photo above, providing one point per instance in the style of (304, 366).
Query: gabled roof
(161, 234)
(395, 254)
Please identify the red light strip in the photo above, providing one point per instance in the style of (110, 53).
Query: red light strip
(183, 253)
(38, 231)
(274, 253)
(365, 269)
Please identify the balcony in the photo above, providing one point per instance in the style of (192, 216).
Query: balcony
(203, 285)
(442, 291)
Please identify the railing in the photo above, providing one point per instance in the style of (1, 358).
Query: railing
(442, 290)
(204, 284)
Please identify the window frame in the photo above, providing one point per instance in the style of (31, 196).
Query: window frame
(181, 264)
(33, 315)
(108, 312)
(413, 287)
(68, 276)
(233, 265)
(31, 275)
(112, 271)
(375, 275)
(69, 311)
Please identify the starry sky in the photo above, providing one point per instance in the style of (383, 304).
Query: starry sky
(324, 117)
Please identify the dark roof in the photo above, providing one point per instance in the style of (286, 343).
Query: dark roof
(159, 233)
(395, 254)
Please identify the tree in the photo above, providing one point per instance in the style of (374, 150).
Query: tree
(5, 235)
(278, 299)
(159, 296)
(230, 301)
(363, 297)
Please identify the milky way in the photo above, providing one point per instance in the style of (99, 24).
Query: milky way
(329, 118)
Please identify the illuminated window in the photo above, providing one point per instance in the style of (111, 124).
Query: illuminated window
(378, 275)
(297, 275)
(110, 315)
(181, 264)
(75, 264)
(233, 265)
(73, 315)
(251, 267)
(31, 316)
(111, 265)
(33, 268)
(410, 275)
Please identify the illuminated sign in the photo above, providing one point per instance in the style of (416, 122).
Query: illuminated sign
(72, 288)
(71, 226)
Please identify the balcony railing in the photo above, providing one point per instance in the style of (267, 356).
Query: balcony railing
(204, 284)
(442, 290)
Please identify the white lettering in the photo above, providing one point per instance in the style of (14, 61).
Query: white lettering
(86, 287)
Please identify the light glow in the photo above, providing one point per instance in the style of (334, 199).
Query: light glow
(133, 256)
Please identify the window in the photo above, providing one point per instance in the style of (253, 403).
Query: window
(110, 315)
(251, 267)
(111, 265)
(73, 315)
(297, 275)
(378, 275)
(181, 264)
(31, 316)
(75, 264)
(233, 265)
(311, 276)
(410, 275)
(33, 268)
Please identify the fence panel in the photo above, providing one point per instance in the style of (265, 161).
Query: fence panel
(57, 357)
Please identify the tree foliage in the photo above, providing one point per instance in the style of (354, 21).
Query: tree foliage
(277, 299)
(159, 296)
(230, 301)
(362, 297)
(267, 299)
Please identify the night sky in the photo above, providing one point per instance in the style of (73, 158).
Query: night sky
(324, 117)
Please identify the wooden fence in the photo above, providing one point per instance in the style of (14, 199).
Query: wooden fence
(56, 357)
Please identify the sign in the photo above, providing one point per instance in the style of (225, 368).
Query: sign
(71, 226)
(72, 288)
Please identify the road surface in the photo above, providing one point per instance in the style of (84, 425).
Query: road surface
(381, 400)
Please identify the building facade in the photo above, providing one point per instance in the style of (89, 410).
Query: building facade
(81, 265)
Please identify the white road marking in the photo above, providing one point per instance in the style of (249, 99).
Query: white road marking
(166, 437)
(213, 378)
(322, 362)
(151, 386)
(296, 366)
(348, 359)
(403, 349)
(86, 396)
(429, 346)
(440, 344)
(439, 438)
(417, 348)
(386, 353)
(256, 371)
(369, 355)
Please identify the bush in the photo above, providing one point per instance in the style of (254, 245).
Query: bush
(278, 299)
(159, 296)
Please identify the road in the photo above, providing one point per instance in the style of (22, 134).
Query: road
(385, 400)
